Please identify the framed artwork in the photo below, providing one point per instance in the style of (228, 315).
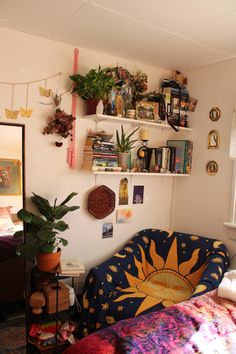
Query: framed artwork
(10, 177)
(148, 111)
(215, 114)
(212, 168)
(213, 139)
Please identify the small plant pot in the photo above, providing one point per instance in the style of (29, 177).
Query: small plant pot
(124, 160)
(91, 106)
(47, 262)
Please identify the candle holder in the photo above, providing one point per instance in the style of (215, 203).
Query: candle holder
(142, 156)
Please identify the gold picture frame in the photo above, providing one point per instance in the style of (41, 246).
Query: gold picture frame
(215, 114)
(10, 177)
(148, 111)
(213, 141)
(212, 168)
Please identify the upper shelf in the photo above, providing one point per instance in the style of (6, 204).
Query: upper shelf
(103, 117)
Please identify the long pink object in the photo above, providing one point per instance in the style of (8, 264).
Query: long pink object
(71, 148)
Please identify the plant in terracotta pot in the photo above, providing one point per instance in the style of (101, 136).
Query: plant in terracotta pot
(93, 87)
(42, 238)
(124, 146)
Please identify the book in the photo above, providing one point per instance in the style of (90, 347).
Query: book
(183, 155)
(71, 267)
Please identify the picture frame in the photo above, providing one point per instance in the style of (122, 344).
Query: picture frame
(215, 114)
(212, 168)
(146, 110)
(10, 177)
(213, 139)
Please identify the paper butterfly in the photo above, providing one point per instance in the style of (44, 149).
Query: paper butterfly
(11, 114)
(44, 92)
(26, 112)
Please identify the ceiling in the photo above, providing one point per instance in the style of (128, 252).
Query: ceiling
(171, 34)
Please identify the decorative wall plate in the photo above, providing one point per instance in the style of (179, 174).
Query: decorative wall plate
(101, 202)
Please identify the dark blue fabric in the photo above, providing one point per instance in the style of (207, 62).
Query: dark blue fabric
(108, 281)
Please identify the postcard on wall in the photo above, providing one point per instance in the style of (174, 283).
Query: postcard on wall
(138, 194)
(107, 230)
(123, 192)
(124, 216)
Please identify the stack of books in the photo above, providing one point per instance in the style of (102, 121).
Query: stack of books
(99, 155)
(71, 267)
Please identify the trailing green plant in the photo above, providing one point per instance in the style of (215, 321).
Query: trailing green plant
(96, 84)
(42, 231)
(124, 141)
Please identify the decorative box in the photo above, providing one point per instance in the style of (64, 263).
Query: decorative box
(51, 291)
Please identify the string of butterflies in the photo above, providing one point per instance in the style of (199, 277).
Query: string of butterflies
(26, 112)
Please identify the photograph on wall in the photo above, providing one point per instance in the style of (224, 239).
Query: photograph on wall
(124, 216)
(10, 177)
(138, 194)
(107, 230)
(213, 139)
(123, 192)
(212, 168)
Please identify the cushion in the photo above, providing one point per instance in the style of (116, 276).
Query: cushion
(5, 219)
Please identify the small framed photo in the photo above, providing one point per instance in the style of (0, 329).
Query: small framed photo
(148, 111)
(192, 104)
(213, 139)
(215, 114)
(212, 168)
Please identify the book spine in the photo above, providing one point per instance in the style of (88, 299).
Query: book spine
(188, 156)
(172, 158)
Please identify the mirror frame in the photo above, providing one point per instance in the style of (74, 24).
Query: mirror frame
(22, 126)
(27, 266)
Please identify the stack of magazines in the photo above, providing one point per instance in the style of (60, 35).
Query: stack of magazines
(71, 267)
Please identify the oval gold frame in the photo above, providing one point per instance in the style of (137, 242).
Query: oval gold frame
(215, 114)
(212, 168)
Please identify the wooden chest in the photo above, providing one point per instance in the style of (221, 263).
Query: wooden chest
(50, 291)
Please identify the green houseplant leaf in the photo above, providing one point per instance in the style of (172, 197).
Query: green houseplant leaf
(42, 231)
(124, 143)
(96, 84)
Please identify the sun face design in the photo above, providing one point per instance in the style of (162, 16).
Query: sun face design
(163, 281)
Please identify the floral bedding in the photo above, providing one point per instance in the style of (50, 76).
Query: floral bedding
(205, 324)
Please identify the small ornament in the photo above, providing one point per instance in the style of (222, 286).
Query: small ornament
(213, 139)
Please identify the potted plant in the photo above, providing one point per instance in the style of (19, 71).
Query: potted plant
(124, 146)
(42, 238)
(93, 87)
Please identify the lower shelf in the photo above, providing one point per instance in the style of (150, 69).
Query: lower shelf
(141, 174)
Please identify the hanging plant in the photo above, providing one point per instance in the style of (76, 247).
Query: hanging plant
(59, 123)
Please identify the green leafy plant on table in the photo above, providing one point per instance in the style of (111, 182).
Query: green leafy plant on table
(42, 231)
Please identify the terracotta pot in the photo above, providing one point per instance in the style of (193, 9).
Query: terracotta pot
(47, 262)
(91, 105)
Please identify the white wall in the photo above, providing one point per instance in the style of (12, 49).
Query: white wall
(27, 58)
(202, 203)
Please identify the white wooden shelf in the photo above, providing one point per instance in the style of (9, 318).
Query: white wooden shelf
(103, 117)
(140, 174)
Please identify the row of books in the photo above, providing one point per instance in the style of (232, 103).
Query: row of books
(175, 157)
(99, 154)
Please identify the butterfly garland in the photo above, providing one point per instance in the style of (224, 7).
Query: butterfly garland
(26, 112)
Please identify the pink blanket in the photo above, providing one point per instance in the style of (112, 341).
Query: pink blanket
(205, 324)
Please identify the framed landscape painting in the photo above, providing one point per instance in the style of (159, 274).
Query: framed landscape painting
(10, 177)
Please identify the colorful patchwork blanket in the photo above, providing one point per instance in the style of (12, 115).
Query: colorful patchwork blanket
(204, 324)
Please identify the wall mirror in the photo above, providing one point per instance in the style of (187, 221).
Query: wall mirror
(12, 199)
